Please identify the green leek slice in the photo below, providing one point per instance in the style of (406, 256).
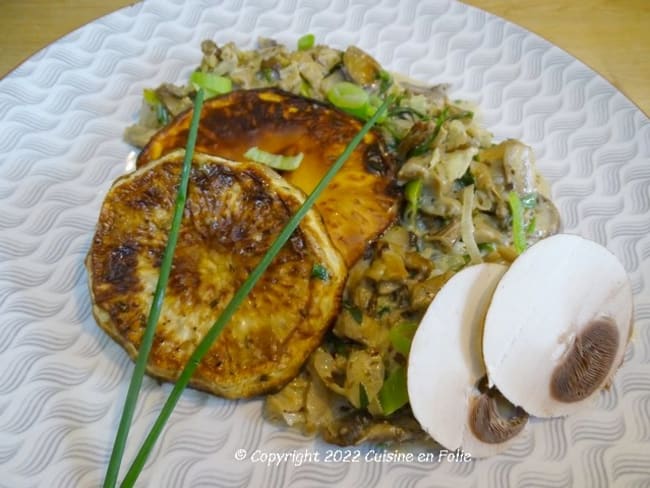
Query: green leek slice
(276, 161)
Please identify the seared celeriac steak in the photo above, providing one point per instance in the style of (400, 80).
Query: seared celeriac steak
(360, 202)
(234, 212)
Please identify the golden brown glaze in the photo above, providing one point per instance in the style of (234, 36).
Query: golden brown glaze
(233, 213)
(360, 202)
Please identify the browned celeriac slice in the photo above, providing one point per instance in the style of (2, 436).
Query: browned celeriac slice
(234, 212)
(360, 202)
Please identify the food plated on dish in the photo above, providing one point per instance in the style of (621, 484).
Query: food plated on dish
(428, 199)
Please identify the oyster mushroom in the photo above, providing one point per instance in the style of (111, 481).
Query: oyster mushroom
(558, 324)
(446, 379)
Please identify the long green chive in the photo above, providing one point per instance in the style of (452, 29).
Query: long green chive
(156, 304)
(241, 294)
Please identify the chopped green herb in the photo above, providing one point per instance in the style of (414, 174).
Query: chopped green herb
(440, 119)
(354, 311)
(319, 271)
(277, 161)
(306, 42)
(518, 229)
(401, 335)
(363, 396)
(394, 393)
(412, 192)
(212, 84)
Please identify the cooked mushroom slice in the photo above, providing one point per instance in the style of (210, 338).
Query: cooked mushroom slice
(558, 325)
(360, 66)
(446, 376)
(547, 219)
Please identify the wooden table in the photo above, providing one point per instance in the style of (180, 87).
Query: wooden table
(611, 36)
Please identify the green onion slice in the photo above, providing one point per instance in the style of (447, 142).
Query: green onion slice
(349, 97)
(151, 97)
(401, 336)
(212, 84)
(277, 161)
(518, 227)
(412, 192)
(306, 42)
(394, 393)
(232, 306)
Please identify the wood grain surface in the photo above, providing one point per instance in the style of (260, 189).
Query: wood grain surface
(610, 36)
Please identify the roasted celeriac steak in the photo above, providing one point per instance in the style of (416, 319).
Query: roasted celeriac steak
(234, 211)
(360, 202)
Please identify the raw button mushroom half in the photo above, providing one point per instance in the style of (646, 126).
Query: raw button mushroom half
(446, 378)
(558, 325)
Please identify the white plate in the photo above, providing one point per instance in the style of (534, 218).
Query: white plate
(62, 114)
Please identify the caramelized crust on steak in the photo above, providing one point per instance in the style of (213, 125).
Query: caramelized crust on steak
(234, 212)
(357, 206)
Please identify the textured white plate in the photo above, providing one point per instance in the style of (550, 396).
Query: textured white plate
(62, 114)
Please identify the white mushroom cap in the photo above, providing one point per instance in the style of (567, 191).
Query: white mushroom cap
(445, 367)
(557, 326)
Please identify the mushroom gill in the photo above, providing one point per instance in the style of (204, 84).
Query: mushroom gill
(587, 362)
(492, 418)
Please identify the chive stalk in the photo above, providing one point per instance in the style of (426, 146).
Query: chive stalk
(206, 343)
(156, 305)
